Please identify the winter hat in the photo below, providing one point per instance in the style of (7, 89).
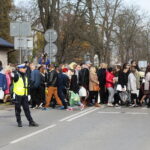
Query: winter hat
(65, 70)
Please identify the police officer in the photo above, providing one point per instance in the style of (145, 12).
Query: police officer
(21, 95)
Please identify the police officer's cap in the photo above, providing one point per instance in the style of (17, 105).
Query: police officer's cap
(21, 66)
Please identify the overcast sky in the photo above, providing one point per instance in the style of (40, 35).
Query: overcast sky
(143, 4)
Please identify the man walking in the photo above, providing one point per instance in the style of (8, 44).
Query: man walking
(52, 78)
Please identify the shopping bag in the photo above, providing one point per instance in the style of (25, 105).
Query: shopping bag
(82, 92)
(74, 98)
(1, 93)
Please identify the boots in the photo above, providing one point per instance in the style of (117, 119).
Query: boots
(20, 124)
(97, 105)
(33, 124)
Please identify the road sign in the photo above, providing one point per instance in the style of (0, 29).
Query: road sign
(50, 35)
(51, 49)
(21, 29)
(53, 59)
(20, 43)
(29, 43)
(142, 63)
(23, 43)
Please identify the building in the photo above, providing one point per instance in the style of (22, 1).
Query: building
(5, 48)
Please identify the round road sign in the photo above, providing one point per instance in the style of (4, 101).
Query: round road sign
(50, 35)
(50, 49)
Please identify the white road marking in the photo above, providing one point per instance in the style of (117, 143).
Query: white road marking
(83, 114)
(32, 134)
(109, 112)
(127, 113)
(66, 118)
(144, 108)
(136, 113)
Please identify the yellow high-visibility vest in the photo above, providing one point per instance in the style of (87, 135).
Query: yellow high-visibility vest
(20, 88)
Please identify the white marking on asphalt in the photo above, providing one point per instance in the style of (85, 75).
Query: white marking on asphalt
(136, 113)
(66, 118)
(83, 114)
(127, 113)
(32, 134)
(110, 112)
(144, 108)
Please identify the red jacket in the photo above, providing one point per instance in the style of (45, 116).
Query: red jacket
(109, 79)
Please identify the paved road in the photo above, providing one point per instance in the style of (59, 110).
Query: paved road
(90, 129)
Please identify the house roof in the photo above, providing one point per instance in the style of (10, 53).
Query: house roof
(6, 44)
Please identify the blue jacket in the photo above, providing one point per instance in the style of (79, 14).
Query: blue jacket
(46, 62)
(3, 82)
(63, 81)
(35, 79)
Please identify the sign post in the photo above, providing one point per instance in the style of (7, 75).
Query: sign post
(20, 30)
(50, 37)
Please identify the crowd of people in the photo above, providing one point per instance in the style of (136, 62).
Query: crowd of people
(65, 86)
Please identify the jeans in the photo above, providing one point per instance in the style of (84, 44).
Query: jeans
(62, 93)
(111, 93)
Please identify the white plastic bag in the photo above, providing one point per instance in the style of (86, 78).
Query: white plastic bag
(119, 87)
(29, 98)
(99, 98)
(1, 93)
(82, 92)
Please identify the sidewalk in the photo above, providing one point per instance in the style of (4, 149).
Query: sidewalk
(6, 106)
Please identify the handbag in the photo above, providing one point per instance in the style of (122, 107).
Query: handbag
(146, 92)
(1, 93)
(96, 87)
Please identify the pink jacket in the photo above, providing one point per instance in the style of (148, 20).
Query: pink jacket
(8, 78)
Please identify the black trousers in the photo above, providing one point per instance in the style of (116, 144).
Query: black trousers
(22, 101)
(42, 95)
(62, 93)
(93, 95)
(35, 96)
(117, 98)
(103, 94)
(134, 98)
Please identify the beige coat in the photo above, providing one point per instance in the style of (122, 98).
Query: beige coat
(147, 81)
(93, 80)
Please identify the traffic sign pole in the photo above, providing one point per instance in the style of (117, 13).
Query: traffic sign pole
(50, 37)
(20, 30)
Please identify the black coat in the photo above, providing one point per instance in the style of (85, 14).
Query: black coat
(52, 78)
(101, 77)
(43, 80)
(74, 84)
(84, 78)
(122, 79)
